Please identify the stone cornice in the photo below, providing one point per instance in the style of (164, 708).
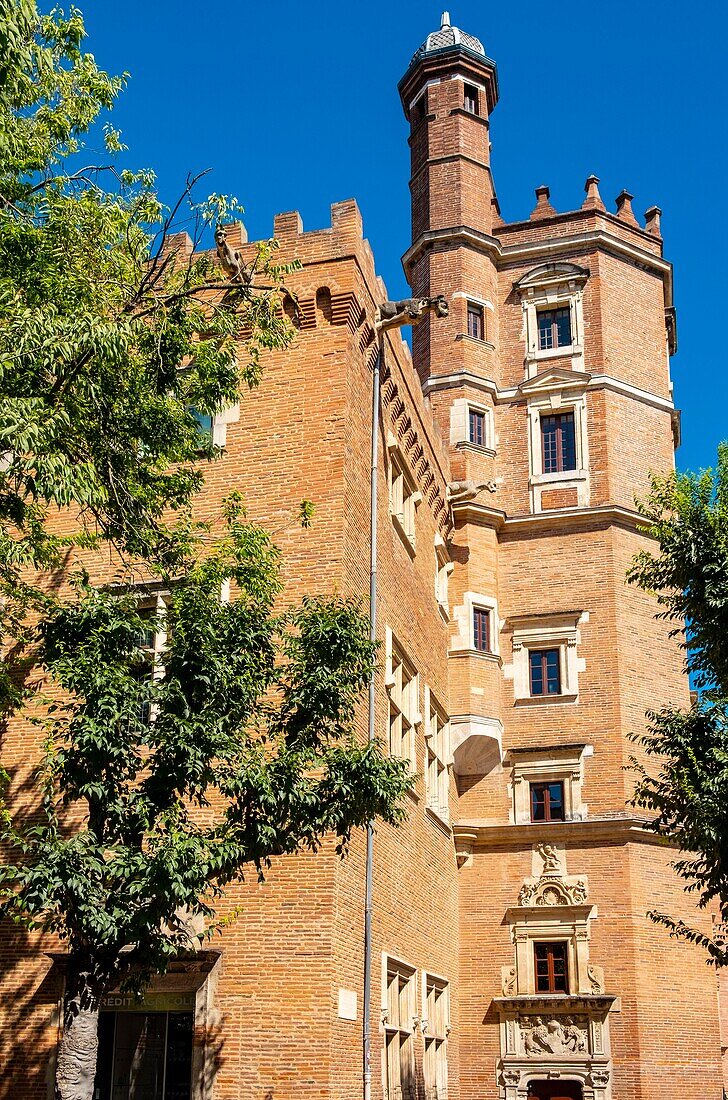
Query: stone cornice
(502, 254)
(623, 828)
(604, 514)
(595, 382)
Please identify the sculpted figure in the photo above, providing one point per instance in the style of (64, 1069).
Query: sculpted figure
(572, 1037)
(230, 259)
(460, 491)
(409, 311)
(550, 857)
(537, 1039)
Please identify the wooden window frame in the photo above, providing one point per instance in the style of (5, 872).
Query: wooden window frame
(559, 419)
(437, 758)
(548, 949)
(477, 425)
(544, 654)
(554, 312)
(399, 1016)
(545, 787)
(475, 321)
(482, 615)
(436, 1029)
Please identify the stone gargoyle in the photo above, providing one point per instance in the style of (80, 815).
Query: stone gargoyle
(459, 492)
(409, 311)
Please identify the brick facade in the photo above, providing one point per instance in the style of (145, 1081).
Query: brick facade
(545, 554)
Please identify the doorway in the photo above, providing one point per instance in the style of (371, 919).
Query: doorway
(555, 1090)
(144, 1056)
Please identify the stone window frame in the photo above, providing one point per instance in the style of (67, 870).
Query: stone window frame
(558, 391)
(552, 286)
(406, 494)
(440, 753)
(488, 319)
(443, 569)
(393, 964)
(556, 764)
(408, 704)
(567, 924)
(464, 642)
(460, 426)
(551, 630)
(435, 1036)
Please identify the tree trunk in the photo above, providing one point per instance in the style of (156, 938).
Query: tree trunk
(78, 1048)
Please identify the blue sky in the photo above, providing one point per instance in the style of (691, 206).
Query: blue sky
(295, 106)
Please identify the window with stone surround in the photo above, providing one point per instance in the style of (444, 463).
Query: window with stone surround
(436, 1028)
(402, 683)
(472, 424)
(551, 297)
(152, 641)
(545, 668)
(478, 626)
(443, 569)
(399, 1020)
(404, 497)
(481, 630)
(437, 757)
(546, 783)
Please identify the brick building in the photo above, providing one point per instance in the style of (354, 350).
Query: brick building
(512, 954)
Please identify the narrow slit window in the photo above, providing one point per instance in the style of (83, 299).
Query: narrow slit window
(481, 630)
(552, 974)
(476, 321)
(545, 672)
(470, 99)
(558, 443)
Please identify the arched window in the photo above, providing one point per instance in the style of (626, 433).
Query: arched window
(323, 305)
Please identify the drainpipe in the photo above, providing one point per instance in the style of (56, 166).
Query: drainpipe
(366, 1008)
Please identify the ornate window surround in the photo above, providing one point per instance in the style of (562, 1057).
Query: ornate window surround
(557, 763)
(412, 714)
(551, 286)
(558, 630)
(557, 390)
(553, 1035)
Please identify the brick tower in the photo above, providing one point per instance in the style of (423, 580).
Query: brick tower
(550, 380)
(512, 957)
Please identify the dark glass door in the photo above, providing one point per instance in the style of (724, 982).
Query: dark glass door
(144, 1056)
(555, 1090)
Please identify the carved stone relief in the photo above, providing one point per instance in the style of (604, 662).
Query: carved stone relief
(555, 1036)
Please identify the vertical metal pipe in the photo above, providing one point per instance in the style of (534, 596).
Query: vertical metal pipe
(366, 1008)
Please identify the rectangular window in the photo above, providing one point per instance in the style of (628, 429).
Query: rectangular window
(545, 671)
(204, 423)
(470, 99)
(476, 427)
(547, 801)
(558, 442)
(436, 756)
(151, 640)
(144, 1055)
(402, 497)
(551, 967)
(481, 630)
(554, 328)
(476, 321)
(437, 1014)
(399, 1040)
(403, 704)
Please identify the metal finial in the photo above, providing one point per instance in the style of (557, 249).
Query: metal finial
(445, 21)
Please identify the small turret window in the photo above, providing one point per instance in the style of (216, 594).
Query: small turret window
(476, 321)
(471, 99)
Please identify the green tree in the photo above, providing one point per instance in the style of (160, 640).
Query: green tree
(176, 783)
(687, 790)
(155, 791)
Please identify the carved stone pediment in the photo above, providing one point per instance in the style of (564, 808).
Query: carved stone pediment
(554, 889)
